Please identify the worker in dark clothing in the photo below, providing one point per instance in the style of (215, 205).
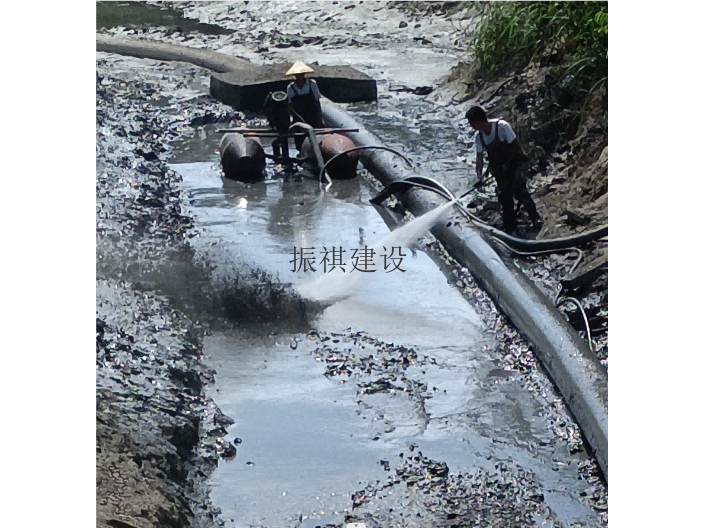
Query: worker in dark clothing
(278, 114)
(506, 163)
(304, 99)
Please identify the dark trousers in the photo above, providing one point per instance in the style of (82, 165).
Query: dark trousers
(280, 147)
(298, 140)
(306, 111)
(512, 184)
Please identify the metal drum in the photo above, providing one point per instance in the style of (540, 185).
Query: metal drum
(345, 166)
(242, 158)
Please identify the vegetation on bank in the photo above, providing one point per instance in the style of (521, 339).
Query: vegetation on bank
(569, 37)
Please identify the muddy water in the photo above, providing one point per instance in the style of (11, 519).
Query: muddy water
(306, 441)
(409, 123)
(141, 14)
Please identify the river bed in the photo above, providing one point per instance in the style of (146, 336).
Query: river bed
(311, 440)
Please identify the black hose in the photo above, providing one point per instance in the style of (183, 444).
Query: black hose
(364, 148)
(552, 243)
(413, 181)
(513, 242)
(449, 197)
(433, 186)
(580, 253)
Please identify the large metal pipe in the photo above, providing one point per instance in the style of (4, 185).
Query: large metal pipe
(564, 355)
(145, 49)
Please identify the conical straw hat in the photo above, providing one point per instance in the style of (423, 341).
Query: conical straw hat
(299, 67)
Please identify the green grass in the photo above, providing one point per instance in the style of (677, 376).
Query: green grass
(570, 35)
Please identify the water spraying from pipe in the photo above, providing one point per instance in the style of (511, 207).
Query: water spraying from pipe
(335, 286)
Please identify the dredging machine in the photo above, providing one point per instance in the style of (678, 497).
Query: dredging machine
(325, 151)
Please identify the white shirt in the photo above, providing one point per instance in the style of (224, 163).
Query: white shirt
(505, 132)
(294, 90)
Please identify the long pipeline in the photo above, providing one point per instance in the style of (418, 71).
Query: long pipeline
(147, 49)
(568, 361)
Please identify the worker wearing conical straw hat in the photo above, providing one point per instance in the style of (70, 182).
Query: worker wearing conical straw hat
(304, 99)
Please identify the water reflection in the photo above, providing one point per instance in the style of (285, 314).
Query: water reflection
(234, 192)
(302, 205)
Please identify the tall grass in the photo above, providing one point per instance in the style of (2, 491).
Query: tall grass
(572, 35)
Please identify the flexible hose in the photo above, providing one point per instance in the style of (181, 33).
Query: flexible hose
(513, 242)
(316, 149)
(449, 197)
(417, 181)
(584, 315)
(552, 243)
(580, 253)
(353, 149)
(412, 181)
(437, 188)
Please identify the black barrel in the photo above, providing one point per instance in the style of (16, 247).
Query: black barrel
(242, 158)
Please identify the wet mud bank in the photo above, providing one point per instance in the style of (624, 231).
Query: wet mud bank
(151, 409)
(158, 436)
(565, 135)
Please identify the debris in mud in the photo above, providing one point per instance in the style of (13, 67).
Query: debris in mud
(422, 492)
(375, 367)
(597, 496)
(229, 452)
(419, 90)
